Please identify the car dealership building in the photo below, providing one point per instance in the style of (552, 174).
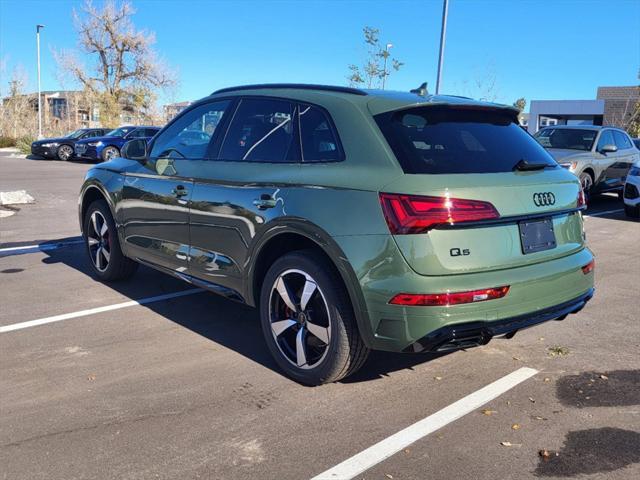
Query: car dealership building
(612, 106)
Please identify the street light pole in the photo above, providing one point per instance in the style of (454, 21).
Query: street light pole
(38, 27)
(443, 36)
(386, 54)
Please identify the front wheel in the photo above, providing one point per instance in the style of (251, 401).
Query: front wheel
(586, 182)
(103, 246)
(110, 152)
(308, 321)
(64, 152)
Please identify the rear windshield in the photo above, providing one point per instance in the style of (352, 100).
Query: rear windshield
(444, 140)
(567, 138)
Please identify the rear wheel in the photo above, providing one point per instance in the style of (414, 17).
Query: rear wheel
(308, 321)
(631, 211)
(64, 152)
(110, 152)
(102, 244)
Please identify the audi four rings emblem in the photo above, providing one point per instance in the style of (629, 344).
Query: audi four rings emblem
(544, 199)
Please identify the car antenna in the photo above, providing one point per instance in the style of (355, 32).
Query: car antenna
(421, 90)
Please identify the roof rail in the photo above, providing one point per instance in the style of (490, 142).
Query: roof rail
(301, 86)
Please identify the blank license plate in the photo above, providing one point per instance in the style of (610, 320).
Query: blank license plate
(537, 235)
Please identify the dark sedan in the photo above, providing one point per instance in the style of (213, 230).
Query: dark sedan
(108, 146)
(63, 147)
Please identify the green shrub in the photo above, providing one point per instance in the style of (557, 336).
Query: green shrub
(7, 142)
(24, 144)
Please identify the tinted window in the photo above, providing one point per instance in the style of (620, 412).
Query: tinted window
(150, 132)
(190, 134)
(606, 138)
(434, 140)
(566, 138)
(119, 132)
(622, 142)
(319, 142)
(89, 134)
(262, 130)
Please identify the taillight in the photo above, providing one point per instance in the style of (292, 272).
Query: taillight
(582, 201)
(448, 298)
(589, 267)
(418, 214)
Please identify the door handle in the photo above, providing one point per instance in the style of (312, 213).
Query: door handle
(265, 201)
(180, 191)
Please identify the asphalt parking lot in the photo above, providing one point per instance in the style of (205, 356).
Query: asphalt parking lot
(184, 387)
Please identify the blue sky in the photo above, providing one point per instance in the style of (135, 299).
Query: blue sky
(558, 49)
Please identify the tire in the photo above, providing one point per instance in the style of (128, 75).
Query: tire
(109, 152)
(64, 152)
(325, 329)
(632, 212)
(586, 182)
(103, 246)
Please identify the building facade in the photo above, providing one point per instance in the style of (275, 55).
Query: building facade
(613, 106)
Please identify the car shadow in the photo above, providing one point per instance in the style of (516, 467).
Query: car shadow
(220, 320)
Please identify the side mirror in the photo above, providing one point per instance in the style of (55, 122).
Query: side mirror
(608, 148)
(135, 149)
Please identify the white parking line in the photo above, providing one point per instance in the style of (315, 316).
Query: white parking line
(93, 311)
(382, 450)
(39, 247)
(597, 214)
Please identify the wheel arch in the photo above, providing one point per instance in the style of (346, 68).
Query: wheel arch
(90, 193)
(299, 234)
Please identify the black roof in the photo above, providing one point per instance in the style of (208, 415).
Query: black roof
(297, 86)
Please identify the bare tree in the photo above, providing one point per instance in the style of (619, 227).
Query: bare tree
(482, 84)
(17, 115)
(377, 67)
(125, 72)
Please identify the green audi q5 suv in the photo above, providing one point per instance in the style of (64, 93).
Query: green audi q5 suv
(352, 219)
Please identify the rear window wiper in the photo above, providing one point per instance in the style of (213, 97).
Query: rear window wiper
(525, 166)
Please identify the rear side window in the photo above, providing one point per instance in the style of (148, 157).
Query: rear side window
(262, 130)
(622, 141)
(189, 135)
(443, 140)
(318, 138)
(150, 132)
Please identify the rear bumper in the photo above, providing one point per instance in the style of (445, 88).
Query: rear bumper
(538, 292)
(472, 334)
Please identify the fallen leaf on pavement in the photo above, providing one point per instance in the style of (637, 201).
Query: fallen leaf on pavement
(604, 377)
(538, 417)
(437, 378)
(546, 454)
(546, 379)
(91, 377)
(488, 412)
(388, 475)
(532, 400)
(509, 444)
(515, 426)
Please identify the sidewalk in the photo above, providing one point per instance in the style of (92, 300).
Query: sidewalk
(11, 152)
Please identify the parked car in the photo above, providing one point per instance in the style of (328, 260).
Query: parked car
(636, 142)
(631, 195)
(599, 156)
(108, 146)
(63, 147)
(353, 220)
